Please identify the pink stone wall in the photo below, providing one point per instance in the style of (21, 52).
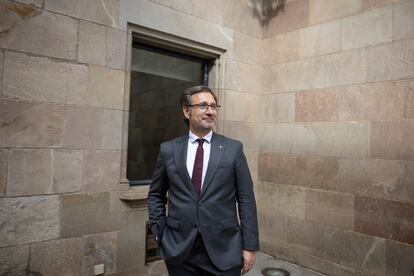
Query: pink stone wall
(335, 177)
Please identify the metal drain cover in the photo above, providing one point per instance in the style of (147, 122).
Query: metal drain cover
(275, 271)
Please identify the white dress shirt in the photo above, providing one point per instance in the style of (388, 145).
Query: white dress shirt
(192, 150)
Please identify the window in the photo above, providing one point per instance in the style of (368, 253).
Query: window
(158, 77)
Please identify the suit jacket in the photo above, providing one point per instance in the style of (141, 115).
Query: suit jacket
(224, 214)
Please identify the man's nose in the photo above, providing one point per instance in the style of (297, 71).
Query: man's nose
(209, 110)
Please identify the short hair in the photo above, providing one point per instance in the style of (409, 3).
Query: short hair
(185, 99)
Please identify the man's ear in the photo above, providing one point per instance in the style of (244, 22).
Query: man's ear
(186, 112)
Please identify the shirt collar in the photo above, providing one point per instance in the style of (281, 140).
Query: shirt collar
(194, 137)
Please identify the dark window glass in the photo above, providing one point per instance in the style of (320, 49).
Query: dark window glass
(158, 77)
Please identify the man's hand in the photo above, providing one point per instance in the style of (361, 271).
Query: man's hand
(249, 258)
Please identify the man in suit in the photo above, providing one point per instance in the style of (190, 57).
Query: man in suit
(211, 225)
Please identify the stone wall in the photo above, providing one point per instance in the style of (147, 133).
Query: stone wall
(64, 80)
(62, 96)
(321, 96)
(335, 189)
(63, 71)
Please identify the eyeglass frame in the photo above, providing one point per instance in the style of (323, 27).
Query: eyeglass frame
(205, 106)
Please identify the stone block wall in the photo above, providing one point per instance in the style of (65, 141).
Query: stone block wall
(64, 78)
(61, 115)
(335, 165)
(321, 96)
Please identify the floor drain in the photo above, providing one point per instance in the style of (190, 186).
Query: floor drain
(275, 271)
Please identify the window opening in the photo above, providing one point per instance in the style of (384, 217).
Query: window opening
(158, 77)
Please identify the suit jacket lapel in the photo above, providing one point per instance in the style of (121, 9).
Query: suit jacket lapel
(216, 153)
(180, 157)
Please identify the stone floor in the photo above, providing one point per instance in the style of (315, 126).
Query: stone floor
(263, 261)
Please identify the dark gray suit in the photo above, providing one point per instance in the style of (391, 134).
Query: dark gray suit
(214, 213)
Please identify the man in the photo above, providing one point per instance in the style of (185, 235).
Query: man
(208, 181)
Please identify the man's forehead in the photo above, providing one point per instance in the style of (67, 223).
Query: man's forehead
(203, 96)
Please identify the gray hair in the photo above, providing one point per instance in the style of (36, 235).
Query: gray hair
(185, 99)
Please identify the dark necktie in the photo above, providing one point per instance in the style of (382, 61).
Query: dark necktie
(198, 167)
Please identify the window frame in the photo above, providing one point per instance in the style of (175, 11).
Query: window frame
(204, 64)
(184, 46)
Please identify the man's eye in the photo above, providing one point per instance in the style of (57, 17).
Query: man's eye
(203, 106)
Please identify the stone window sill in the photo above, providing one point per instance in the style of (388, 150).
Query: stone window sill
(136, 196)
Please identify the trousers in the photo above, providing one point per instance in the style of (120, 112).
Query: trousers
(198, 263)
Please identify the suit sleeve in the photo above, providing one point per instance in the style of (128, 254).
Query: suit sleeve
(246, 203)
(157, 197)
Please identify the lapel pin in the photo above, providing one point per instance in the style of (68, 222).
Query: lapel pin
(221, 146)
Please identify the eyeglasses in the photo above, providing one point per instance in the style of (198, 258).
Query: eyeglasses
(204, 106)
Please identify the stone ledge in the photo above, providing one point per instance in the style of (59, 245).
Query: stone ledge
(135, 194)
(136, 197)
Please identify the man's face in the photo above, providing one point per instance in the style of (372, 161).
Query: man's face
(201, 120)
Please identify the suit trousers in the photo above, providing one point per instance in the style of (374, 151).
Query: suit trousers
(198, 263)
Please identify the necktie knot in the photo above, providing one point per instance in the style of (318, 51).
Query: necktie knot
(200, 141)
